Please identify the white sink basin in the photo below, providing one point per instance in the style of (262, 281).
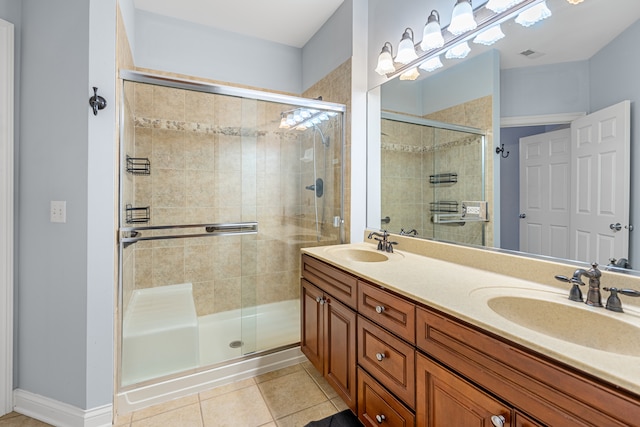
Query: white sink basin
(571, 322)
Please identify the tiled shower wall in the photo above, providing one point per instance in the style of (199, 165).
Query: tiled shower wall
(221, 159)
(410, 154)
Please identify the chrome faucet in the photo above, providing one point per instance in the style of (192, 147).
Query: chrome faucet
(593, 294)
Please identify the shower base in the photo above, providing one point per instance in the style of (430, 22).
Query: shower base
(226, 343)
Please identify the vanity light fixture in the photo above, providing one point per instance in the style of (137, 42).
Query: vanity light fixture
(575, 1)
(462, 19)
(534, 14)
(489, 36)
(455, 45)
(432, 34)
(431, 64)
(385, 60)
(458, 51)
(303, 118)
(406, 48)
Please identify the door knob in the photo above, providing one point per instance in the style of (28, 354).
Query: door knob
(615, 227)
(523, 215)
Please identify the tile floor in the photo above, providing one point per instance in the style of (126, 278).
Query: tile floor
(289, 397)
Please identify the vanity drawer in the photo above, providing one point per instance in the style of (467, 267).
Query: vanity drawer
(335, 282)
(389, 359)
(377, 406)
(393, 313)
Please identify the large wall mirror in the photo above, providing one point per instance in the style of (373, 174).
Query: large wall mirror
(581, 60)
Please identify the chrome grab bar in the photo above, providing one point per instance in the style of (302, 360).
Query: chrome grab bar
(132, 234)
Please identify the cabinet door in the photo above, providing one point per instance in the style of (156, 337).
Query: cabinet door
(445, 400)
(340, 350)
(311, 339)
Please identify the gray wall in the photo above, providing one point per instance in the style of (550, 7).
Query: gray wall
(64, 275)
(169, 44)
(546, 89)
(329, 47)
(53, 166)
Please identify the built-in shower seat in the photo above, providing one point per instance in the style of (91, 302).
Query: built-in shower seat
(160, 333)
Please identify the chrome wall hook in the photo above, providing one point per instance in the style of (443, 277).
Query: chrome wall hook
(97, 102)
(500, 150)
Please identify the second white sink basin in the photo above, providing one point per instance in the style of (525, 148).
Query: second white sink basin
(579, 324)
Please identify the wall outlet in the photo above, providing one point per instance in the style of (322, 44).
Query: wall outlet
(58, 212)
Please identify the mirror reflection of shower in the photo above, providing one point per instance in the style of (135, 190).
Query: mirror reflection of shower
(302, 119)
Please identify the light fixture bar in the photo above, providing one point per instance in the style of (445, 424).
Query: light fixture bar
(485, 19)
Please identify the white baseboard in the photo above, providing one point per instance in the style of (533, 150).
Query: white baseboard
(60, 414)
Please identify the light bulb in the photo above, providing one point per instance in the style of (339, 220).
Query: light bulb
(432, 64)
(462, 19)
(432, 34)
(385, 61)
(411, 74)
(490, 36)
(406, 49)
(459, 51)
(534, 14)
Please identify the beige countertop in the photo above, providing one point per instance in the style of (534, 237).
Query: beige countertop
(599, 342)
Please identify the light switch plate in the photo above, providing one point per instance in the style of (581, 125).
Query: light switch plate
(58, 212)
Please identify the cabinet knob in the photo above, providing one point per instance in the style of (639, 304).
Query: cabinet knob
(320, 300)
(380, 356)
(379, 309)
(380, 418)
(497, 420)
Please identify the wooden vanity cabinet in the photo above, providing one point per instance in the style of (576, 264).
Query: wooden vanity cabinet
(328, 328)
(550, 393)
(416, 366)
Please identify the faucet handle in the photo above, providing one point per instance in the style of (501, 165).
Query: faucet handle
(575, 294)
(614, 303)
(390, 246)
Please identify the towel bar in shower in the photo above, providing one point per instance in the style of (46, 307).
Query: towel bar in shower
(134, 234)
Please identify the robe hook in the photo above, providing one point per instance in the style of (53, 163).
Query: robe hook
(500, 150)
(97, 102)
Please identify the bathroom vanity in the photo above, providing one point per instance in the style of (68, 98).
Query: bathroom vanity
(407, 339)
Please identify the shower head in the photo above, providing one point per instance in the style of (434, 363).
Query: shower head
(323, 137)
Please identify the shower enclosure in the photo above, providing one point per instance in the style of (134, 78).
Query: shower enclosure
(430, 174)
(219, 189)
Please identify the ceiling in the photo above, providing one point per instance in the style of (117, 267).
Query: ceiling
(573, 33)
(289, 22)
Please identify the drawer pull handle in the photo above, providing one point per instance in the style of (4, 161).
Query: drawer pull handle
(380, 356)
(380, 418)
(379, 309)
(497, 420)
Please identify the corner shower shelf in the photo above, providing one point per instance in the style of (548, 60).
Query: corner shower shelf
(138, 166)
(137, 215)
(444, 206)
(443, 178)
